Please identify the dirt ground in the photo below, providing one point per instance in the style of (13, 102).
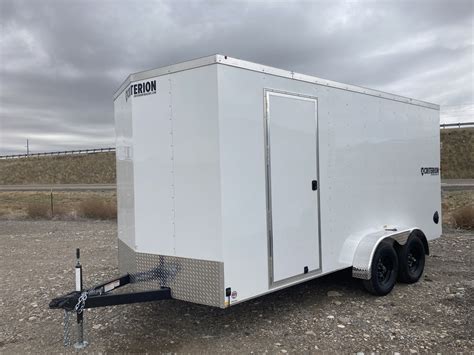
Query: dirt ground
(331, 313)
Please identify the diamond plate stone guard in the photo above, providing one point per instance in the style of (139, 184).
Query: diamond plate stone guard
(192, 280)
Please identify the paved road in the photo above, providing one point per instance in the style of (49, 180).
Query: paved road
(451, 184)
(59, 187)
(457, 184)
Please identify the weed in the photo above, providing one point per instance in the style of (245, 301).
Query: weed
(38, 211)
(98, 209)
(464, 217)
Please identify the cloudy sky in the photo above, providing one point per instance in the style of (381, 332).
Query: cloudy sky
(61, 61)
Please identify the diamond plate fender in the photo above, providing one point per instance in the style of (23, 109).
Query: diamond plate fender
(365, 250)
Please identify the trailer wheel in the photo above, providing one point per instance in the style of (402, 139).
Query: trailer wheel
(411, 260)
(383, 271)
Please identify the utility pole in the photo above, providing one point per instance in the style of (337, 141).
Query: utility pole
(27, 147)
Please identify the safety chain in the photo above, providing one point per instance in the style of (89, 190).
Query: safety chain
(66, 339)
(81, 302)
(78, 308)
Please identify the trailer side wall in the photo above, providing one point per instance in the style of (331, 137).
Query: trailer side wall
(371, 151)
(175, 156)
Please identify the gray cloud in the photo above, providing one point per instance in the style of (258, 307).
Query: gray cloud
(61, 61)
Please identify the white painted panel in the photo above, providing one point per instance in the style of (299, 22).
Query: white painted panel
(291, 123)
(370, 153)
(196, 164)
(242, 149)
(153, 170)
(124, 166)
(242, 159)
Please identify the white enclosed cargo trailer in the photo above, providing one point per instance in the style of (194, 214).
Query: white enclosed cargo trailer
(237, 179)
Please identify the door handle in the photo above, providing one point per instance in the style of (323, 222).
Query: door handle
(314, 185)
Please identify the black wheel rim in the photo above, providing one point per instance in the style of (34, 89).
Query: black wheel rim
(414, 259)
(384, 270)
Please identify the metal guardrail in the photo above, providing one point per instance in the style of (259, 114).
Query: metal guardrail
(64, 152)
(457, 125)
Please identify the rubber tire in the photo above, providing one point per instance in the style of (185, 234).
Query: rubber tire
(374, 285)
(405, 273)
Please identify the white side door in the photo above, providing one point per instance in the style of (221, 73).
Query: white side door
(292, 186)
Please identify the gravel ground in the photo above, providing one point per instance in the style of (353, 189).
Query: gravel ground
(331, 313)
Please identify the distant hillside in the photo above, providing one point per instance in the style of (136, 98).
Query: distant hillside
(97, 168)
(457, 153)
(457, 162)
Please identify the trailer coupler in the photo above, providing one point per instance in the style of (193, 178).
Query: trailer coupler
(99, 296)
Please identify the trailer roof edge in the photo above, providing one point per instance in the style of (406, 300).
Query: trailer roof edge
(226, 60)
(151, 73)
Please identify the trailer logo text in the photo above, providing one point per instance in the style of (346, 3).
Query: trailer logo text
(429, 171)
(142, 89)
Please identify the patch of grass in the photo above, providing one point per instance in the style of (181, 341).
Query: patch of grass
(464, 217)
(457, 160)
(98, 209)
(453, 201)
(38, 211)
(66, 204)
(64, 213)
(67, 169)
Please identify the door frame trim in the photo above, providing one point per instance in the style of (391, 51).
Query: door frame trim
(266, 121)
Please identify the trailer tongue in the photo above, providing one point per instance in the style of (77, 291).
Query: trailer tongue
(100, 296)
